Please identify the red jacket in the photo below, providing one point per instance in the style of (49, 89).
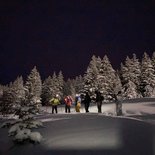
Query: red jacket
(68, 101)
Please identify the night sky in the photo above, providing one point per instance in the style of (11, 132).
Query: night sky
(64, 34)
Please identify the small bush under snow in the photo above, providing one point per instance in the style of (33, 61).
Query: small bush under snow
(9, 123)
(27, 117)
(15, 128)
(34, 124)
(22, 135)
(26, 135)
(5, 125)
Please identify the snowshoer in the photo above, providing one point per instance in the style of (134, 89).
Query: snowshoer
(77, 103)
(87, 101)
(55, 101)
(68, 102)
(99, 99)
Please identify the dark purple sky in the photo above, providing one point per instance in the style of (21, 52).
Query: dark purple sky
(64, 34)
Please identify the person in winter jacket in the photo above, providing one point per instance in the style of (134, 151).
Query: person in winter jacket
(99, 99)
(68, 102)
(77, 103)
(55, 101)
(87, 101)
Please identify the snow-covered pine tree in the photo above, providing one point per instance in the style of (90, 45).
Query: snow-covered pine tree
(153, 59)
(33, 88)
(129, 90)
(125, 74)
(18, 93)
(147, 77)
(1, 90)
(72, 90)
(122, 71)
(106, 77)
(6, 101)
(130, 72)
(79, 84)
(12, 97)
(47, 91)
(153, 63)
(116, 85)
(60, 84)
(66, 88)
(20, 129)
(135, 70)
(90, 77)
(55, 85)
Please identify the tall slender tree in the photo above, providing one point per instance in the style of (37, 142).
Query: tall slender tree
(90, 77)
(130, 73)
(147, 76)
(60, 84)
(33, 88)
(46, 91)
(106, 77)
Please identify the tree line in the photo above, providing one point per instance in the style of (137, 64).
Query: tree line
(135, 78)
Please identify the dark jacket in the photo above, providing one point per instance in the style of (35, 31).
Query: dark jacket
(99, 97)
(87, 98)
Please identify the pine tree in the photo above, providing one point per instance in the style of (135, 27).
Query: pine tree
(90, 77)
(153, 60)
(129, 90)
(135, 70)
(6, 101)
(147, 76)
(125, 70)
(33, 88)
(18, 93)
(130, 72)
(1, 90)
(55, 85)
(106, 77)
(12, 97)
(116, 85)
(46, 91)
(79, 84)
(66, 88)
(18, 89)
(60, 84)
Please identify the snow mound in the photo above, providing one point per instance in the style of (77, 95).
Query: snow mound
(35, 137)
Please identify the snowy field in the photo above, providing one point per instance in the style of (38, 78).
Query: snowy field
(92, 133)
(142, 109)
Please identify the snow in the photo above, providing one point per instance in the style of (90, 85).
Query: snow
(26, 134)
(138, 109)
(14, 129)
(108, 109)
(35, 137)
(35, 124)
(22, 135)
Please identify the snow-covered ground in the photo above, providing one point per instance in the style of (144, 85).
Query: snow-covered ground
(81, 130)
(143, 109)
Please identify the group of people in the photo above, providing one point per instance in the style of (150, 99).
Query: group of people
(68, 101)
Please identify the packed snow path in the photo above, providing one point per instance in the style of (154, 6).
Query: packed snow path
(92, 134)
